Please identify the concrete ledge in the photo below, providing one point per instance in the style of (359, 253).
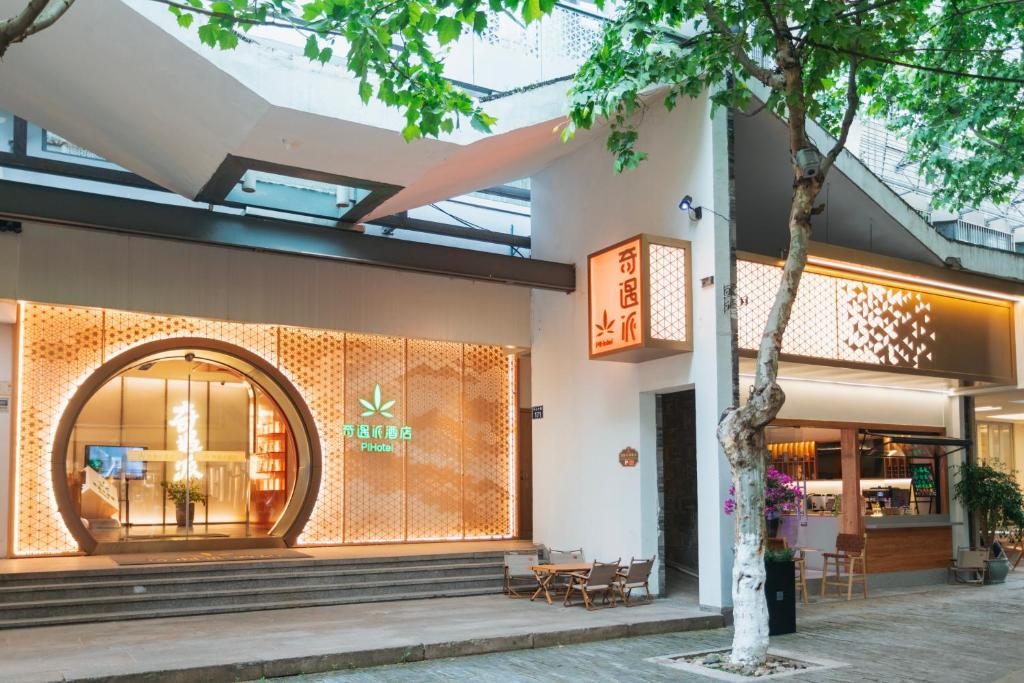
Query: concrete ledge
(355, 659)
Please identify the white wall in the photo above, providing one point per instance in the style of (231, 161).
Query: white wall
(6, 370)
(593, 409)
(58, 264)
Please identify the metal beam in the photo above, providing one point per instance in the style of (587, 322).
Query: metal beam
(24, 201)
(433, 227)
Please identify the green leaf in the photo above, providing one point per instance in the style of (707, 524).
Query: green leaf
(479, 22)
(448, 29)
(366, 404)
(532, 11)
(482, 122)
(227, 40)
(185, 19)
(312, 50)
(376, 396)
(365, 91)
(411, 132)
(221, 7)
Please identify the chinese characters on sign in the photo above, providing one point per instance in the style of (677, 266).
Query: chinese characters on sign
(639, 299)
(377, 438)
(615, 295)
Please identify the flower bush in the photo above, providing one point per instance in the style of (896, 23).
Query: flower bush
(781, 494)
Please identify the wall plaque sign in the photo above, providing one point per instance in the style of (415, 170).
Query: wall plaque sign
(628, 457)
(639, 299)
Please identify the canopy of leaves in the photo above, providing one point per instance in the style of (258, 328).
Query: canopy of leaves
(947, 74)
(993, 494)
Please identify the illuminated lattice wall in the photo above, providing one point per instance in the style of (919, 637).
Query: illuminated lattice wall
(453, 478)
(668, 278)
(865, 322)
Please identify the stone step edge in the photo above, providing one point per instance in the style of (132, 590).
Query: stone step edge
(240, 592)
(28, 622)
(342, 661)
(245, 576)
(278, 563)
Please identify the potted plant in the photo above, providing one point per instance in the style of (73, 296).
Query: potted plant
(178, 491)
(780, 590)
(997, 503)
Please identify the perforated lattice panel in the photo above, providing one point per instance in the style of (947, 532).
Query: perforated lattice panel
(451, 476)
(315, 361)
(838, 319)
(59, 348)
(486, 434)
(668, 292)
(434, 455)
(374, 482)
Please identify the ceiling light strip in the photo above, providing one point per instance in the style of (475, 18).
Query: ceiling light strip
(911, 279)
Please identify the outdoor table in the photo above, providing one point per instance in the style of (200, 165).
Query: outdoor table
(546, 572)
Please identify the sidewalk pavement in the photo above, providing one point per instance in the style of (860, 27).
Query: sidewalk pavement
(253, 645)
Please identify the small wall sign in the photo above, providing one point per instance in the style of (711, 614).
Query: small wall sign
(538, 412)
(628, 457)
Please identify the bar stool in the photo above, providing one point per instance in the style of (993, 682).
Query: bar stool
(850, 549)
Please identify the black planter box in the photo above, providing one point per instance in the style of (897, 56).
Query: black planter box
(780, 592)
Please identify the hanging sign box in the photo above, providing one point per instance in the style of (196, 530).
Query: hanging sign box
(640, 299)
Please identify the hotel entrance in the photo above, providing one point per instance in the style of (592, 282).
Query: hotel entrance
(177, 448)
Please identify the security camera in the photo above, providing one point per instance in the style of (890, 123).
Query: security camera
(808, 160)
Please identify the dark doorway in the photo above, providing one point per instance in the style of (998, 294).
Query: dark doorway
(678, 449)
(524, 483)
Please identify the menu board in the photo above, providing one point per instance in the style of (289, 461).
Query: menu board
(922, 478)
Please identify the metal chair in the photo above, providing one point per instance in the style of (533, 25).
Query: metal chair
(968, 566)
(519, 576)
(851, 549)
(601, 578)
(636, 575)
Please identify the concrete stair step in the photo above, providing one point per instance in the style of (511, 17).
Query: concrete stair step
(132, 614)
(366, 591)
(234, 568)
(186, 582)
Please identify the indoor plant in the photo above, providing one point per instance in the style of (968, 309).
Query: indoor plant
(997, 503)
(178, 491)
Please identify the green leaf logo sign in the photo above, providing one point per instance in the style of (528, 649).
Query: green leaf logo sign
(376, 407)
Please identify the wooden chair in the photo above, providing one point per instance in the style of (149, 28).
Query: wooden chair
(560, 584)
(519, 576)
(637, 575)
(565, 556)
(799, 561)
(851, 549)
(968, 566)
(601, 578)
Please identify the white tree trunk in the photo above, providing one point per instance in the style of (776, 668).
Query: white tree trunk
(741, 433)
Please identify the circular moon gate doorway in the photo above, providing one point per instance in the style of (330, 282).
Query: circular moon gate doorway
(185, 444)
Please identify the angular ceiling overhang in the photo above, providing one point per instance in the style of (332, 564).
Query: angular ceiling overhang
(121, 79)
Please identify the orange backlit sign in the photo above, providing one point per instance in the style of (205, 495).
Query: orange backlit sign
(615, 293)
(639, 299)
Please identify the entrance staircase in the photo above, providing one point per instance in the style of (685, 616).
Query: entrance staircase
(171, 590)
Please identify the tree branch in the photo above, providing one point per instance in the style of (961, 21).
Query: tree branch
(13, 30)
(919, 67)
(54, 11)
(755, 71)
(852, 102)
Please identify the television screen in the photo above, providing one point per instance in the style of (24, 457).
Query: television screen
(108, 461)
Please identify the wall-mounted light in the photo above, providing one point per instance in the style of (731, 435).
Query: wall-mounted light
(686, 204)
(248, 182)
